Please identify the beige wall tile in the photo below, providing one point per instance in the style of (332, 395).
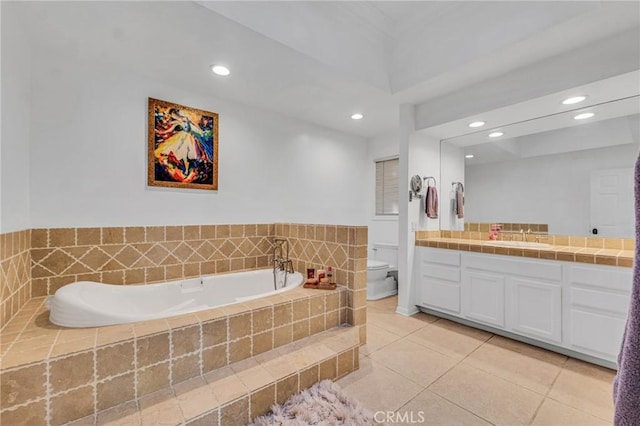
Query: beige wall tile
(345, 363)
(287, 387)
(309, 377)
(72, 405)
(154, 234)
(283, 335)
(152, 349)
(262, 400)
(262, 320)
(114, 360)
(71, 372)
(301, 309)
(21, 385)
(185, 368)
(282, 314)
(214, 358)
(263, 342)
(174, 233)
(88, 236)
(239, 349)
(214, 332)
(134, 234)
(62, 237)
(112, 235)
(152, 378)
(236, 413)
(192, 232)
(239, 326)
(301, 329)
(185, 340)
(329, 369)
(115, 391)
(33, 414)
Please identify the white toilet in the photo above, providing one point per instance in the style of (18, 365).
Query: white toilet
(381, 271)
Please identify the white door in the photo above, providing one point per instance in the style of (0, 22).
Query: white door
(612, 206)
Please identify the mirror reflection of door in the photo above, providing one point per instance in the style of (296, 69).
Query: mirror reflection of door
(612, 203)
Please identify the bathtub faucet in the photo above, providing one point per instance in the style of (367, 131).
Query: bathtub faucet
(281, 262)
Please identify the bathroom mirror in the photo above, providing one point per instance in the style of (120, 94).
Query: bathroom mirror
(573, 174)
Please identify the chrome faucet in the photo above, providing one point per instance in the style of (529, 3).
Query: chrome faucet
(281, 262)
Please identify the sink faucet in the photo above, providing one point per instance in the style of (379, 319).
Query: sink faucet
(522, 234)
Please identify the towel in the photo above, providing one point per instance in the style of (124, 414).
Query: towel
(459, 201)
(626, 385)
(431, 203)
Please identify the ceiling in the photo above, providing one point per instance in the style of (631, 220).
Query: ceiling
(323, 61)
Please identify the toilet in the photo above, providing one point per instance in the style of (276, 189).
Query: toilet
(382, 275)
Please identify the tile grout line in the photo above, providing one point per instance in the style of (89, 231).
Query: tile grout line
(544, 398)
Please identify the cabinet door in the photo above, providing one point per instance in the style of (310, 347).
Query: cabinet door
(440, 295)
(535, 309)
(483, 298)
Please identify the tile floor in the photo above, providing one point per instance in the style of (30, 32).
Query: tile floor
(457, 375)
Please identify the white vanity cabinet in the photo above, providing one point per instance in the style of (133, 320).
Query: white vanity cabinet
(438, 272)
(597, 308)
(568, 306)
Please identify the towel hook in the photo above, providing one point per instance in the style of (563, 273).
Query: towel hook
(458, 184)
(427, 179)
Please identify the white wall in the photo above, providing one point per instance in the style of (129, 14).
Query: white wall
(16, 124)
(551, 189)
(382, 229)
(424, 160)
(89, 150)
(452, 170)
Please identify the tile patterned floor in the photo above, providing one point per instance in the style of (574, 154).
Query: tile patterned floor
(457, 375)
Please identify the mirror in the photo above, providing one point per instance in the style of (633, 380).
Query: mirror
(559, 173)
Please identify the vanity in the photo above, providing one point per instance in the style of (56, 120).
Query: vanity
(568, 306)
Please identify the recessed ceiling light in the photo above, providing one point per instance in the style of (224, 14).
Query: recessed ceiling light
(477, 124)
(584, 116)
(574, 100)
(468, 156)
(220, 70)
(357, 116)
(495, 134)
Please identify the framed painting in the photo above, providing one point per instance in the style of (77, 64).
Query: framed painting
(183, 146)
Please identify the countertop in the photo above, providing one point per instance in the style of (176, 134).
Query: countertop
(596, 256)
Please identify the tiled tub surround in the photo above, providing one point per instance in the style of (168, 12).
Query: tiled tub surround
(345, 248)
(15, 273)
(52, 375)
(139, 255)
(600, 251)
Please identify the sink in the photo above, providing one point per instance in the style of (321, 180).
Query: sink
(518, 244)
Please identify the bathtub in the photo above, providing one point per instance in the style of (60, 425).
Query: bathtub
(91, 304)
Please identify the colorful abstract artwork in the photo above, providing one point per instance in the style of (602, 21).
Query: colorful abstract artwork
(183, 146)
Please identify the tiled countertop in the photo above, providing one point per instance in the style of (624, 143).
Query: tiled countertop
(599, 256)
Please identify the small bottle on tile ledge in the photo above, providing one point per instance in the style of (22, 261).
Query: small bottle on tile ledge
(330, 275)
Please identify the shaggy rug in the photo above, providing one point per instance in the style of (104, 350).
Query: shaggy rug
(322, 404)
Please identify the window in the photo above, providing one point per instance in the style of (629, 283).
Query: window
(387, 187)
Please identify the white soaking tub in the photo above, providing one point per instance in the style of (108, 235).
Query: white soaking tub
(91, 304)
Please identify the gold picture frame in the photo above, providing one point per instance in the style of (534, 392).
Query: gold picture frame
(182, 146)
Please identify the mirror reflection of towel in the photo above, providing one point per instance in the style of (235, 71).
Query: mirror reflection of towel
(431, 203)
(459, 202)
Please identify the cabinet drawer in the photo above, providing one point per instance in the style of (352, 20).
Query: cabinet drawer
(597, 333)
(442, 272)
(445, 257)
(613, 278)
(440, 295)
(600, 299)
(550, 270)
